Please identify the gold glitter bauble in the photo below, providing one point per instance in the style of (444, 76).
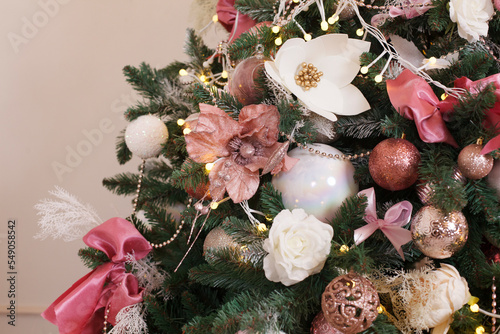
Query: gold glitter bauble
(437, 235)
(217, 239)
(350, 303)
(320, 326)
(394, 164)
(473, 164)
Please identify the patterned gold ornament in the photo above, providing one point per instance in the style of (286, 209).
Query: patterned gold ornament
(473, 164)
(439, 235)
(350, 303)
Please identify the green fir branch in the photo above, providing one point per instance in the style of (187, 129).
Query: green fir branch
(190, 175)
(437, 170)
(291, 119)
(259, 10)
(483, 200)
(122, 184)
(92, 258)
(196, 49)
(227, 269)
(466, 321)
(365, 125)
(145, 80)
(271, 200)
(123, 154)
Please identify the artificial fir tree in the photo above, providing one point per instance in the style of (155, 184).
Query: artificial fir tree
(285, 146)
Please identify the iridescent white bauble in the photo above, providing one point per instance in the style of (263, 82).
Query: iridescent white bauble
(316, 183)
(145, 136)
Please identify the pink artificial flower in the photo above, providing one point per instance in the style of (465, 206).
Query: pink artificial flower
(497, 4)
(238, 148)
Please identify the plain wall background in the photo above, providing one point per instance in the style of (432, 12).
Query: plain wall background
(58, 80)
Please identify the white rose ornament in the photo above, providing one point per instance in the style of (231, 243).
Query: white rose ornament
(472, 17)
(298, 246)
(319, 73)
(447, 294)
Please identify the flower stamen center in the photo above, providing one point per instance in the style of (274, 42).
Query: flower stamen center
(308, 76)
(243, 151)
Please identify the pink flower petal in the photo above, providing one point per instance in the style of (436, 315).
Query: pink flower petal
(213, 119)
(239, 182)
(243, 183)
(286, 164)
(261, 122)
(208, 142)
(217, 184)
(204, 147)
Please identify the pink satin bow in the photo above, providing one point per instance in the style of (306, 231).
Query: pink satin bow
(396, 217)
(492, 119)
(81, 308)
(234, 22)
(414, 99)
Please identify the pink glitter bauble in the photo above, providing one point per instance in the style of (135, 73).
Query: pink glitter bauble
(320, 326)
(350, 303)
(394, 164)
(473, 164)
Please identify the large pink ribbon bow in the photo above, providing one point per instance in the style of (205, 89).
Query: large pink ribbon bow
(234, 22)
(492, 116)
(414, 99)
(392, 224)
(80, 310)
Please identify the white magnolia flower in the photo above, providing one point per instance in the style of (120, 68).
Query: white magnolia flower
(298, 246)
(472, 17)
(449, 292)
(337, 57)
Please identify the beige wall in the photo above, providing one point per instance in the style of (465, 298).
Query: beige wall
(60, 75)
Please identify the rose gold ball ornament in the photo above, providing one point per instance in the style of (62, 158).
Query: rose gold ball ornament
(350, 303)
(394, 164)
(320, 326)
(439, 235)
(473, 164)
(347, 13)
(242, 82)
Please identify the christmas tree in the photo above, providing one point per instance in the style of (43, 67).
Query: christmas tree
(329, 168)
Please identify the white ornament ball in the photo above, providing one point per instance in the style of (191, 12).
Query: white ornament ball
(494, 177)
(316, 183)
(145, 136)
